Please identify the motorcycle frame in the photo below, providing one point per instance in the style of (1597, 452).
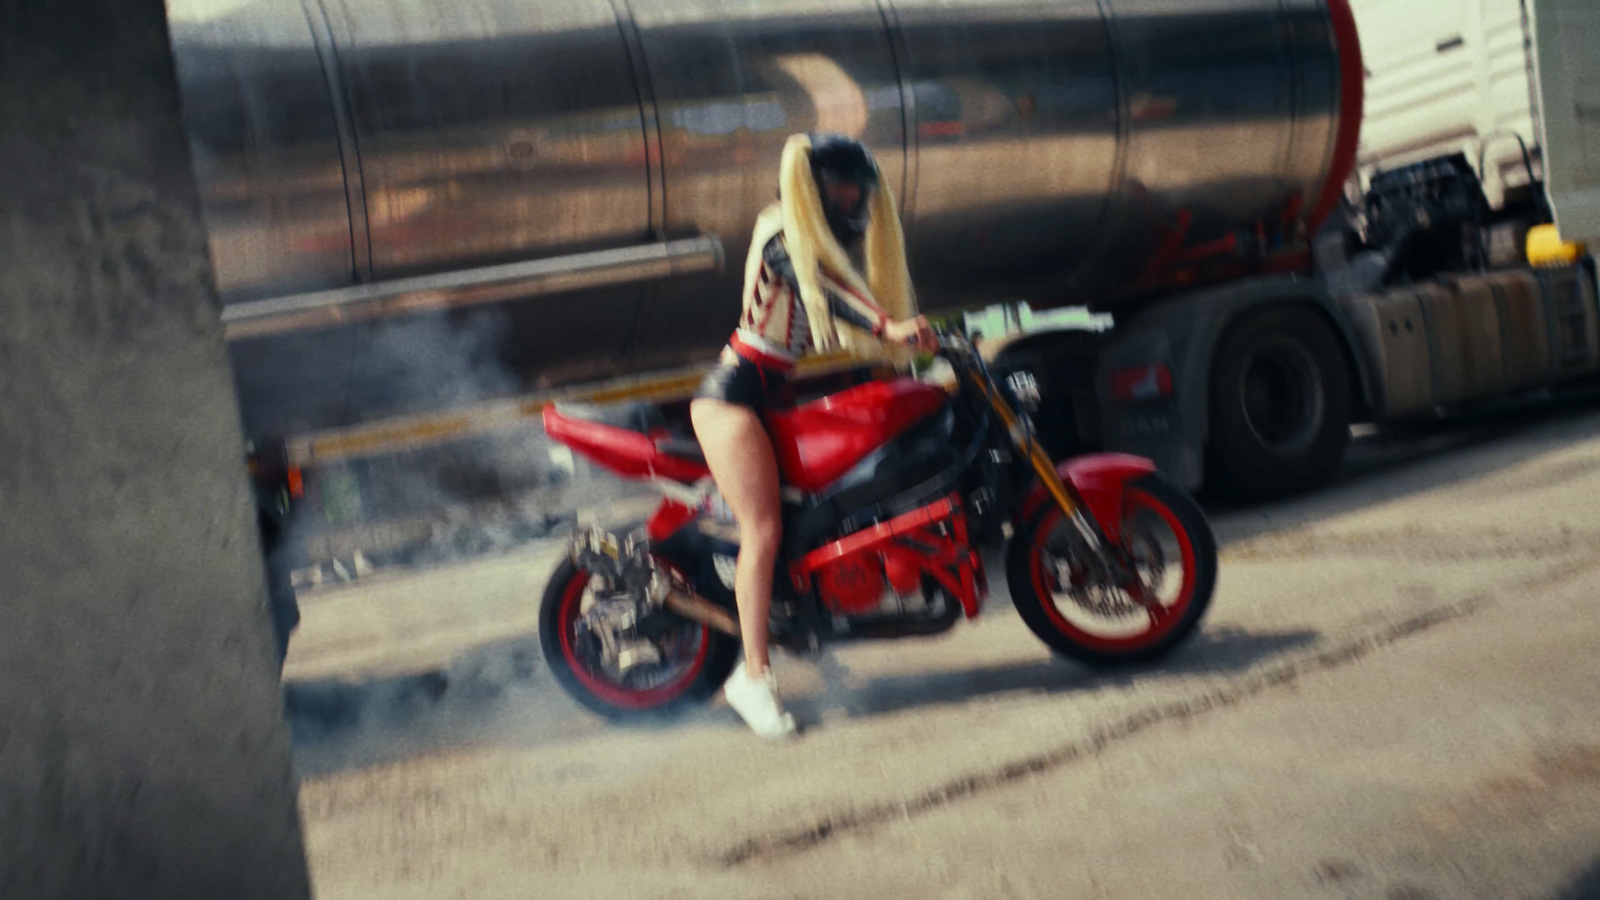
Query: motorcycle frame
(1018, 426)
(1087, 489)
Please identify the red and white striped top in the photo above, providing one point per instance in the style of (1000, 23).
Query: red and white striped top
(775, 321)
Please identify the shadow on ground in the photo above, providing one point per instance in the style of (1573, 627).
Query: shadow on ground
(1217, 651)
(503, 693)
(1414, 458)
(1584, 887)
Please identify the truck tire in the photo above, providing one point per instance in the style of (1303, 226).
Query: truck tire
(1280, 405)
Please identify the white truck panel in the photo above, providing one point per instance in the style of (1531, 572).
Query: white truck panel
(1567, 58)
(1446, 76)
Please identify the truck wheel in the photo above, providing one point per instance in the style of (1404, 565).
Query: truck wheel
(1280, 406)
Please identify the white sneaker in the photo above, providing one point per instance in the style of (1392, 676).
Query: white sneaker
(756, 701)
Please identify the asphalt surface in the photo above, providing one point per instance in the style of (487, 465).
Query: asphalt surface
(1392, 697)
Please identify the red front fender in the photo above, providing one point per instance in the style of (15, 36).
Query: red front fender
(1101, 479)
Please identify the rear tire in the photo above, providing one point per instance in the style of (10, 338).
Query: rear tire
(1035, 601)
(594, 691)
(1280, 406)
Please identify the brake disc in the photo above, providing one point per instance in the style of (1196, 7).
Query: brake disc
(1091, 585)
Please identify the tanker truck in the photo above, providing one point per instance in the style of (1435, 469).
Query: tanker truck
(1439, 283)
(428, 220)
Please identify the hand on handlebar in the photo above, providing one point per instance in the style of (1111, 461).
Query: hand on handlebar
(913, 333)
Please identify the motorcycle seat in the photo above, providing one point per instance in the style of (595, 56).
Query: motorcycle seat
(683, 447)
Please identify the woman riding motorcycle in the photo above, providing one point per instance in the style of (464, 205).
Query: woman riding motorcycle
(802, 293)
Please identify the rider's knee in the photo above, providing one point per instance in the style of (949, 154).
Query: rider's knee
(762, 533)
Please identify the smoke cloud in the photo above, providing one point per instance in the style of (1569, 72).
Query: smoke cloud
(451, 500)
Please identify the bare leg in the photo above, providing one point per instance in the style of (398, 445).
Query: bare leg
(739, 454)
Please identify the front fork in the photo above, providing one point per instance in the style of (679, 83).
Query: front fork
(1115, 559)
(1065, 495)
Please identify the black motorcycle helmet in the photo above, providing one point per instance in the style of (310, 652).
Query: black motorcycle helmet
(837, 160)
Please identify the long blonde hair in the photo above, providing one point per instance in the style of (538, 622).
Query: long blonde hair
(812, 246)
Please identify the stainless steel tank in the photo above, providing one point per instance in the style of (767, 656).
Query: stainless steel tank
(552, 185)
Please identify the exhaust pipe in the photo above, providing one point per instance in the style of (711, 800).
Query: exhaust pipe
(596, 550)
(701, 610)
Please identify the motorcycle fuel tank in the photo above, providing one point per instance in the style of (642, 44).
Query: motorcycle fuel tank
(817, 442)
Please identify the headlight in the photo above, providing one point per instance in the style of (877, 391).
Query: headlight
(1025, 388)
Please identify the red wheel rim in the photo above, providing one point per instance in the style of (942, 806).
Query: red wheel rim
(1162, 625)
(605, 690)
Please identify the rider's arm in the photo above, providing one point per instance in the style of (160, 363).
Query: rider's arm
(854, 306)
(843, 301)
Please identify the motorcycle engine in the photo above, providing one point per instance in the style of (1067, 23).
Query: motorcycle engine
(853, 586)
(868, 583)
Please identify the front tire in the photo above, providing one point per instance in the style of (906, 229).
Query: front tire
(1048, 603)
(707, 659)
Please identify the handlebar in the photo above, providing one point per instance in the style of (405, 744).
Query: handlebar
(945, 340)
(956, 349)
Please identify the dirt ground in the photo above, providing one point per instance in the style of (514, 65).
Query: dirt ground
(1392, 697)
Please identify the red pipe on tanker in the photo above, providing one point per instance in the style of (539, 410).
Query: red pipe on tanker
(1352, 85)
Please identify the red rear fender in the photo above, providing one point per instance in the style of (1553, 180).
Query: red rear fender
(1101, 478)
(627, 453)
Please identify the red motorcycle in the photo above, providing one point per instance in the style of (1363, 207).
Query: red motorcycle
(891, 489)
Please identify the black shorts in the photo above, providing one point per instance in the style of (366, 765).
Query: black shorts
(738, 380)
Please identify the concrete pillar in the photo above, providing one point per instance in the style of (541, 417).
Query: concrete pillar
(142, 746)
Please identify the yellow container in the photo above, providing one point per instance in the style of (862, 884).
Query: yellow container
(1546, 248)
